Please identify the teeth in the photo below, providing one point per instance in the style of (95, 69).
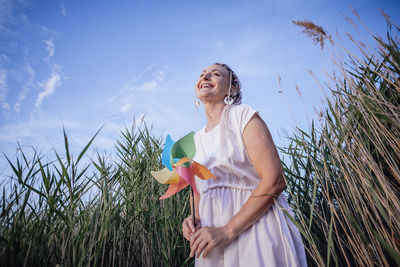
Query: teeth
(206, 86)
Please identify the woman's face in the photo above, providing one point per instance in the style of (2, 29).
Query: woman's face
(213, 84)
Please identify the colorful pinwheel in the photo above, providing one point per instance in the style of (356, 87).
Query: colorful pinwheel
(180, 169)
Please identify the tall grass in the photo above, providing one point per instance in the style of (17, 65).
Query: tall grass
(60, 213)
(343, 175)
(343, 179)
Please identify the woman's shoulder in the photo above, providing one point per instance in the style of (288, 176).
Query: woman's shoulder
(240, 108)
(241, 115)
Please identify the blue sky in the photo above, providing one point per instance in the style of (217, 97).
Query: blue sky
(84, 64)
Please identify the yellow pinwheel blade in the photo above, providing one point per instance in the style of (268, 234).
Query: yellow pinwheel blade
(165, 176)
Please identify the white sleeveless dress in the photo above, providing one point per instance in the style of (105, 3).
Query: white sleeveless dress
(273, 240)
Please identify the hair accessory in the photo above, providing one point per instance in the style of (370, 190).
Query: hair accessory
(228, 99)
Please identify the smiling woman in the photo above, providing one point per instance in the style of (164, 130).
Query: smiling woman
(205, 83)
(240, 220)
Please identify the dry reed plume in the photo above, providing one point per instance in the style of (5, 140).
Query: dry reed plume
(344, 175)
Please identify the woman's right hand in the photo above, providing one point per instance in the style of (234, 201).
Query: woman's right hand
(188, 227)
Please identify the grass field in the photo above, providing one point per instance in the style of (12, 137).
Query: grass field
(343, 177)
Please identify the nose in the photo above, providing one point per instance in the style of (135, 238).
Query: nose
(206, 76)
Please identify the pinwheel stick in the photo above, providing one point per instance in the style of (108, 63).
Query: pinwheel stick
(193, 209)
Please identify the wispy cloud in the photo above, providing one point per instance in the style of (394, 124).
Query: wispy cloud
(63, 10)
(26, 88)
(6, 9)
(125, 108)
(155, 80)
(50, 48)
(147, 82)
(136, 83)
(156, 95)
(3, 90)
(54, 80)
(49, 87)
(44, 133)
(150, 86)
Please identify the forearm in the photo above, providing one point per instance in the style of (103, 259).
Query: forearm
(260, 201)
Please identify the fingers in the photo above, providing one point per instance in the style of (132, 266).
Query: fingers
(194, 244)
(194, 237)
(188, 228)
(194, 241)
(191, 224)
(207, 250)
(200, 248)
(201, 242)
(186, 236)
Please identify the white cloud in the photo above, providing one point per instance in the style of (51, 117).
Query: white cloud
(150, 86)
(137, 84)
(125, 108)
(160, 74)
(45, 133)
(6, 8)
(17, 107)
(26, 87)
(3, 90)
(49, 87)
(5, 106)
(63, 10)
(50, 48)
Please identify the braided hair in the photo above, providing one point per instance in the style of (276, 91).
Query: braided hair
(237, 96)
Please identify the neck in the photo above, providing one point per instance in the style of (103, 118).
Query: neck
(213, 113)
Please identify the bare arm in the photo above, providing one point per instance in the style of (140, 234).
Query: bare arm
(265, 159)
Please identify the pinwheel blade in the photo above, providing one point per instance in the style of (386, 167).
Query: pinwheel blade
(174, 188)
(165, 176)
(201, 171)
(184, 147)
(166, 158)
(186, 172)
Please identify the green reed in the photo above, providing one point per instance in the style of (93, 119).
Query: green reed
(343, 175)
(343, 179)
(103, 213)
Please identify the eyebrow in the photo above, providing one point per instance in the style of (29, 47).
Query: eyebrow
(212, 70)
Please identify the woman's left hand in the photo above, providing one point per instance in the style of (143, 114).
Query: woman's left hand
(207, 238)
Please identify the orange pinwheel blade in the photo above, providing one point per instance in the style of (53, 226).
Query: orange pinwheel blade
(182, 161)
(201, 171)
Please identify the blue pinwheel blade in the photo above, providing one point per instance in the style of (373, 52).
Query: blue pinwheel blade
(166, 154)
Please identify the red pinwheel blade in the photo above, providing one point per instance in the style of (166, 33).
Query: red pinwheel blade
(188, 175)
(174, 188)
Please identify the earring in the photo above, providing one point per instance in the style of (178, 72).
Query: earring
(197, 102)
(228, 100)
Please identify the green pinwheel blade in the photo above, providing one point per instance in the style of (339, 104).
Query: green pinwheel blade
(184, 147)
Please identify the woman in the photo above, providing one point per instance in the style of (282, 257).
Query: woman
(240, 221)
